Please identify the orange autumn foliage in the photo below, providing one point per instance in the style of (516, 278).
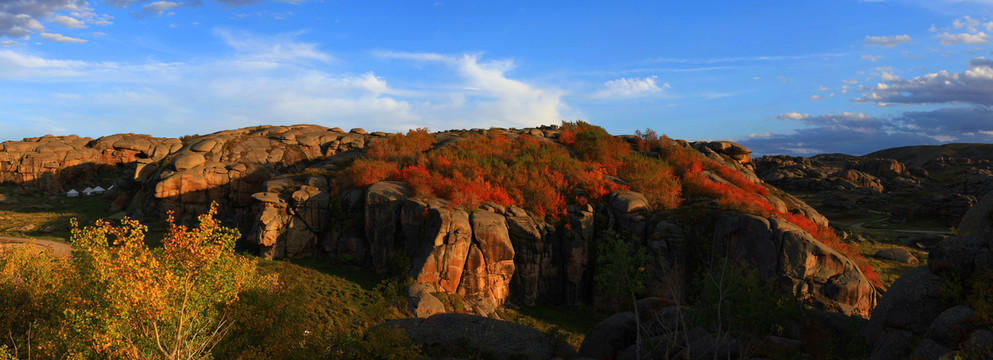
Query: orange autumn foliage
(543, 178)
(538, 176)
(401, 148)
(365, 172)
(123, 299)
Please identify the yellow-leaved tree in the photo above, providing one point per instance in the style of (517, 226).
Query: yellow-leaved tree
(123, 299)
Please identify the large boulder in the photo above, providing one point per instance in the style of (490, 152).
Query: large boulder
(614, 333)
(911, 303)
(784, 253)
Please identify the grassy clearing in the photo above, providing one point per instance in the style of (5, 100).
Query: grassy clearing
(46, 217)
(890, 270)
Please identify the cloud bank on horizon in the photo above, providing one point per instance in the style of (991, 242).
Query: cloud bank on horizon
(779, 78)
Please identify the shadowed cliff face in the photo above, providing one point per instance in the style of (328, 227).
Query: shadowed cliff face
(283, 180)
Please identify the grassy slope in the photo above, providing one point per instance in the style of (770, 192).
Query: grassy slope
(322, 310)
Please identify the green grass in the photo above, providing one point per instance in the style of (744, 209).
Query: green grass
(48, 214)
(564, 323)
(890, 270)
(314, 315)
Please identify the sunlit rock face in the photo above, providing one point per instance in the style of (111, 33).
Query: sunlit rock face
(53, 163)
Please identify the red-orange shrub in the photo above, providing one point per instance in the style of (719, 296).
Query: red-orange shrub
(401, 148)
(538, 176)
(645, 139)
(653, 178)
(593, 143)
(365, 172)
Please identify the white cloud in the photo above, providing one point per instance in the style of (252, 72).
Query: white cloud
(887, 41)
(23, 19)
(69, 22)
(168, 99)
(963, 38)
(159, 7)
(271, 50)
(822, 88)
(814, 98)
(972, 25)
(872, 58)
(61, 38)
(421, 57)
(973, 86)
(630, 87)
(764, 135)
(793, 116)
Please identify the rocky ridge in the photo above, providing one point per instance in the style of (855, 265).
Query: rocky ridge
(280, 178)
(938, 187)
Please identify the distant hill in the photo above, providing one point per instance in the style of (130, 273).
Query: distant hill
(920, 155)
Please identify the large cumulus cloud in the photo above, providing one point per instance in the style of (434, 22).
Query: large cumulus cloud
(21, 19)
(972, 86)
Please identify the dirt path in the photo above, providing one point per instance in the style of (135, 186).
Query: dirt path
(859, 226)
(58, 248)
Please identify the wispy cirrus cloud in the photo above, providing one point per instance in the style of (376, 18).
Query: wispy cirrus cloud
(631, 87)
(887, 41)
(733, 59)
(158, 8)
(485, 93)
(295, 85)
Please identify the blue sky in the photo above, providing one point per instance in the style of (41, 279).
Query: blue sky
(793, 77)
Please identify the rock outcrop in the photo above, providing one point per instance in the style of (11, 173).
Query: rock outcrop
(281, 178)
(914, 317)
(52, 163)
(782, 252)
(498, 254)
(934, 184)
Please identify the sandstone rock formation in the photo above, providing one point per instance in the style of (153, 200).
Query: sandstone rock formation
(49, 163)
(281, 178)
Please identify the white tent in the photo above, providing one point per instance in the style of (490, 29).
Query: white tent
(72, 193)
(88, 191)
(98, 190)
